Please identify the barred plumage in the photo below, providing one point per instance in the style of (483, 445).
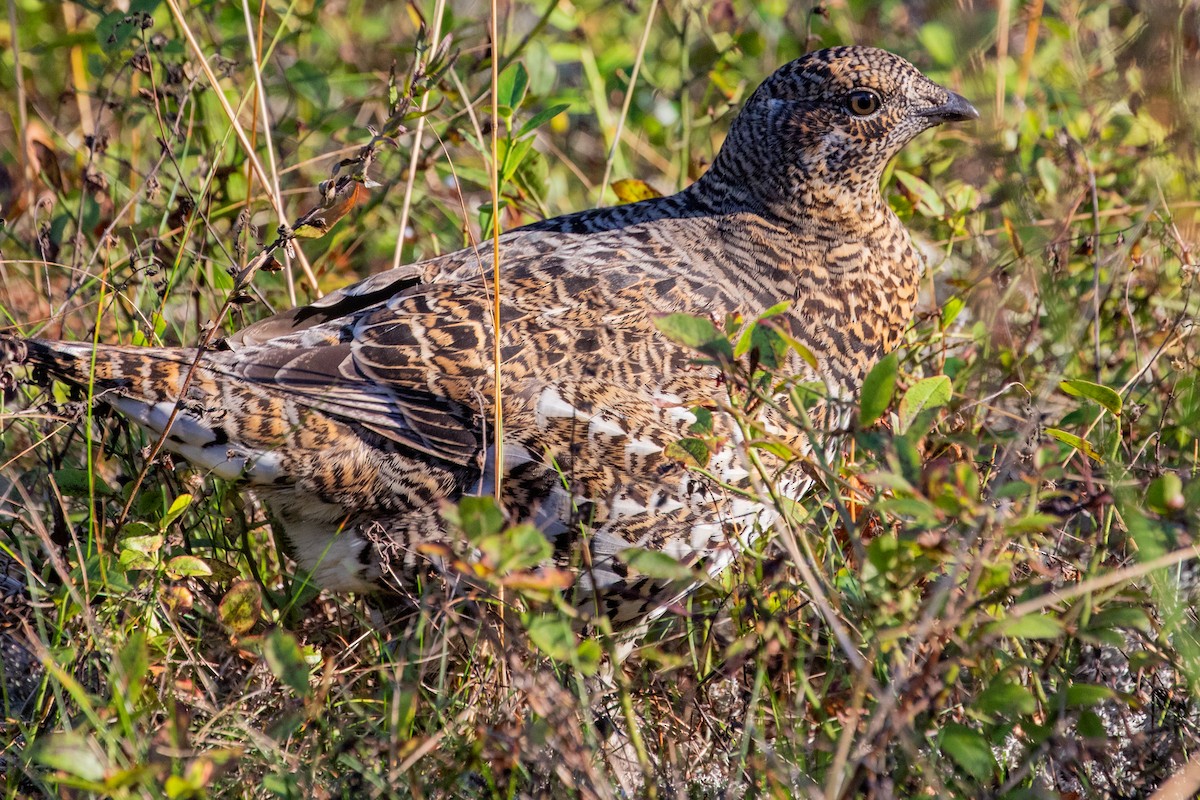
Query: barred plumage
(356, 416)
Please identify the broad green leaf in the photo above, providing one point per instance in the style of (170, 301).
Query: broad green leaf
(588, 656)
(1103, 395)
(241, 606)
(146, 545)
(511, 86)
(1121, 617)
(72, 753)
(553, 636)
(969, 749)
(703, 425)
(1031, 523)
(772, 346)
(1165, 494)
(1080, 444)
(1090, 726)
(928, 201)
(74, 482)
(1030, 626)
(656, 564)
(541, 118)
(178, 506)
(286, 661)
(939, 39)
(951, 310)
(479, 516)
(877, 390)
(521, 547)
(1084, 695)
(1007, 699)
(188, 567)
(698, 333)
(927, 393)
(693, 452)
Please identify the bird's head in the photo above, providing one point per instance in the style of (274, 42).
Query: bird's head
(830, 122)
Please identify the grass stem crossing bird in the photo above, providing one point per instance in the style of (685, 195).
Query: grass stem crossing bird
(357, 417)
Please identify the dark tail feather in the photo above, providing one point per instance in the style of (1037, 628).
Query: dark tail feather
(38, 361)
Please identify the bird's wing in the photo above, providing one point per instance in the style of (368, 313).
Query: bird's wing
(408, 369)
(408, 354)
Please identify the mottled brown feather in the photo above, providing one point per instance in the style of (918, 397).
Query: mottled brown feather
(357, 416)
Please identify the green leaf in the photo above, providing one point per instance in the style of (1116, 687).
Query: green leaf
(924, 394)
(969, 749)
(553, 636)
(693, 452)
(1080, 444)
(1032, 523)
(71, 753)
(951, 310)
(1090, 726)
(541, 118)
(1085, 695)
(512, 85)
(1165, 494)
(521, 547)
(134, 661)
(703, 426)
(656, 564)
(1006, 699)
(588, 656)
(146, 545)
(698, 333)
(877, 390)
(776, 310)
(928, 201)
(479, 516)
(178, 506)
(1103, 395)
(770, 346)
(1030, 626)
(286, 661)
(74, 482)
(241, 606)
(745, 340)
(188, 567)
(1121, 617)
(938, 39)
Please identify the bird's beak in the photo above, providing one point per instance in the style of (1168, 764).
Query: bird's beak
(955, 109)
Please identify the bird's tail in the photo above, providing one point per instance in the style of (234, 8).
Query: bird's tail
(148, 373)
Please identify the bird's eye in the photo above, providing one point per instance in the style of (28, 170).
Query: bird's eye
(863, 102)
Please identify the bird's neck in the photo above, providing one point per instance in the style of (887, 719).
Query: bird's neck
(803, 198)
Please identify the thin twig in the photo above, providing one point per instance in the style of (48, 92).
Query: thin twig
(439, 11)
(498, 426)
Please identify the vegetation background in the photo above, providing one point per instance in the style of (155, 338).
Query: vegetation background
(1008, 540)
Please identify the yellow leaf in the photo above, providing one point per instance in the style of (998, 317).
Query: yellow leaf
(631, 190)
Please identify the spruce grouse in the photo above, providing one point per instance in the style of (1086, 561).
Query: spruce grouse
(356, 417)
